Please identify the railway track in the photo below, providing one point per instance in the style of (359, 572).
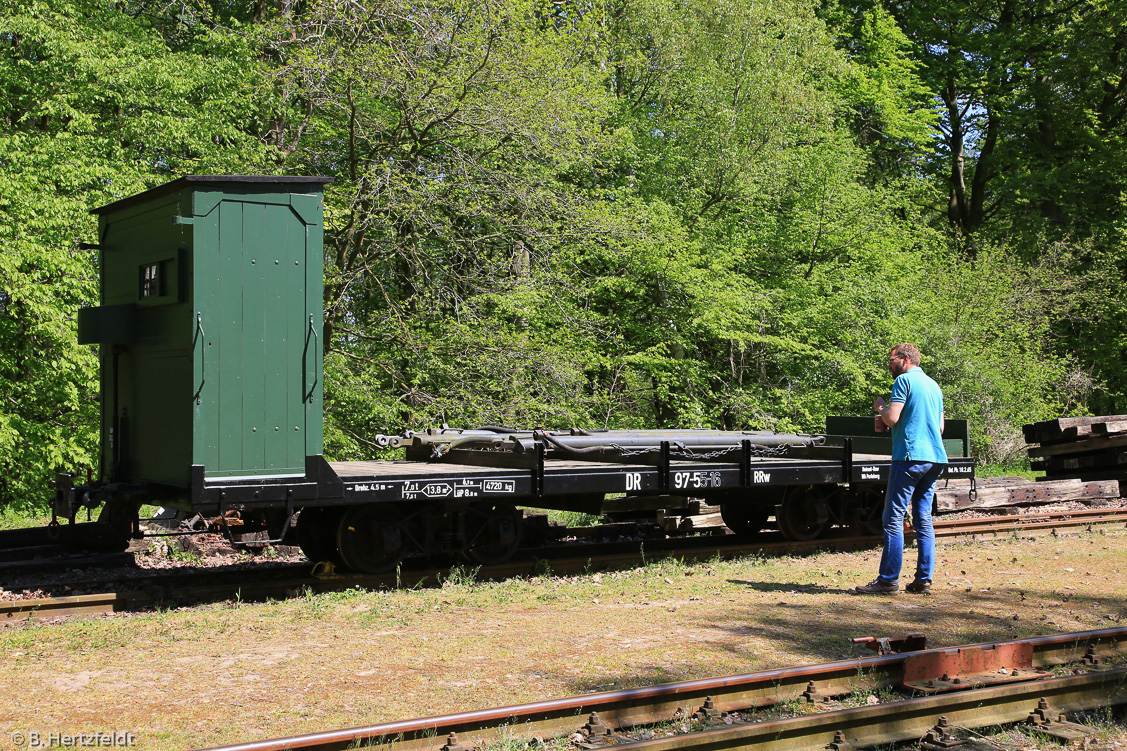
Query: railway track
(1001, 683)
(163, 586)
(1032, 523)
(41, 608)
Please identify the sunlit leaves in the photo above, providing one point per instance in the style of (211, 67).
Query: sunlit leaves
(96, 103)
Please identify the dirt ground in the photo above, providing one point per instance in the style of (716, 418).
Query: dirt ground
(231, 671)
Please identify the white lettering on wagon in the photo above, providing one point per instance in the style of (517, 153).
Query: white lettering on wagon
(465, 488)
(759, 476)
(413, 490)
(685, 480)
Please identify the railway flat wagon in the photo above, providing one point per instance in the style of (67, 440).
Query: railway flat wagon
(210, 336)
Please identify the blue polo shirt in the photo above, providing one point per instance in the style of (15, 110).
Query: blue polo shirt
(915, 436)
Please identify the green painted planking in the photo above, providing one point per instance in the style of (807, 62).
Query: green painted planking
(220, 358)
(292, 278)
(154, 424)
(229, 339)
(256, 333)
(274, 304)
(314, 265)
(284, 311)
(205, 327)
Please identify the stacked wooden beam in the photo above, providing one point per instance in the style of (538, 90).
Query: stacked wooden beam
(1086, 448)
(1000, 492)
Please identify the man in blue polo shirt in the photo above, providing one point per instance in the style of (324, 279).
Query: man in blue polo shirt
(914, 412)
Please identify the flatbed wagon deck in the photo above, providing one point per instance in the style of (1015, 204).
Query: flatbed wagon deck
(406, 480)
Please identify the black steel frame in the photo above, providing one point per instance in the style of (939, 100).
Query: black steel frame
(463, 476)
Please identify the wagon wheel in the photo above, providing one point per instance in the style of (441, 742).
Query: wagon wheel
(803, 514)
(493, 532)
(371, 538)
(869, 520)
(745, 518)
(317, 533)
(746, 512)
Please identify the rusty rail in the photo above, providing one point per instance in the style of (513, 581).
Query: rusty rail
(1028, 522)
(642, 706)
(43, 608)
(146, 591)
(1094, 515)
(910, 719)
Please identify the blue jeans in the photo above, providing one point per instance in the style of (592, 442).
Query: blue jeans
(909, 483)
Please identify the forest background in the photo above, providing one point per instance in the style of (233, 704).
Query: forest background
(599, 213)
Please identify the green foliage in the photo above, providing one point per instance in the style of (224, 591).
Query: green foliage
(987, 329)
(624, 214)
(95, 103)
(1016, 469)
(1030, 116)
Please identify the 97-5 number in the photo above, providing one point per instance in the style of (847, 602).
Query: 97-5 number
(683, 480)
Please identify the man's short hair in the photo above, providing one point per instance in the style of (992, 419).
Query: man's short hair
(909, 351)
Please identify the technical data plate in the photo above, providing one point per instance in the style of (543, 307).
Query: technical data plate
(417, 481)
(867, 468)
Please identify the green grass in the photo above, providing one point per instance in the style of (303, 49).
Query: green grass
(12, 519)
(574, 518)
(1020, 469)
(1106, 724)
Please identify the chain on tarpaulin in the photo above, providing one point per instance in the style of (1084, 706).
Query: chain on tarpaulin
(684, 452)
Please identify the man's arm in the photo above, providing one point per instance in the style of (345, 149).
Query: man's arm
(942, 423)
(890, 414)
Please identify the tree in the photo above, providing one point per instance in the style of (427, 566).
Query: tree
(95, 103)
(445, 128)
(1031, 99)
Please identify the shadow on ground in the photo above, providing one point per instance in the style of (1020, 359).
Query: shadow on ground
(805, 624)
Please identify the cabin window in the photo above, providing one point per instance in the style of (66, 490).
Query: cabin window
(151, 280)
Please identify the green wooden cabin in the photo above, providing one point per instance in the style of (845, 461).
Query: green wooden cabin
(210, 330)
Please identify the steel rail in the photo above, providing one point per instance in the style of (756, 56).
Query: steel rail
(640, 706)
(909, 719)
(959, 527)
(1097, 514)
(35, 563)
(43, 608)
(574, 559)
(162, 586)
(609, 440)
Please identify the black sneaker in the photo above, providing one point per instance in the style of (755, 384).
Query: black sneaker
(877, 587)
(919, 587)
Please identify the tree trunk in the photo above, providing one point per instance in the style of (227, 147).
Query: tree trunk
(957, 200)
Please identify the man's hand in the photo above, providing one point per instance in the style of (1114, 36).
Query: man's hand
(878, 423)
